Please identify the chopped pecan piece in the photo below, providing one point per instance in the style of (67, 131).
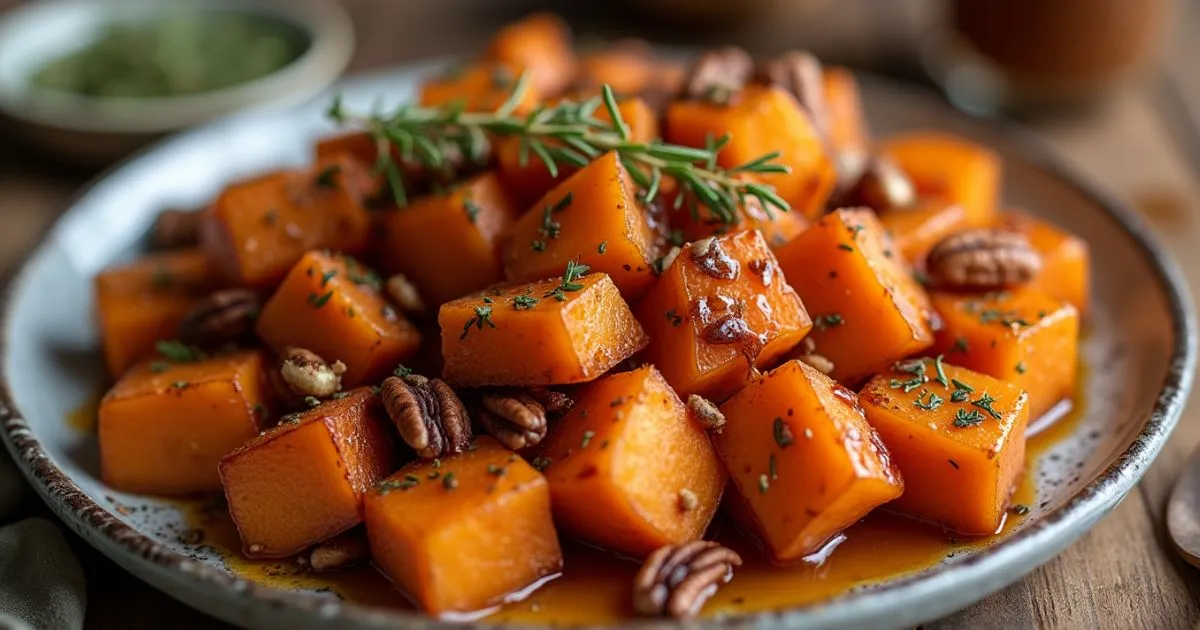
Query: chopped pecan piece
(718, 76)
(882, 186)
(223, 317)
(174, 229)
(799, 72)
(404, 294)
(428, 414)
(340, 552)
(675, 581)
(518, 418)
(983, 260)
(307, 374)
(706, 412)
(818, 363)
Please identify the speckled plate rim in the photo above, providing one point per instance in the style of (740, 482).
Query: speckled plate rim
(941, 590)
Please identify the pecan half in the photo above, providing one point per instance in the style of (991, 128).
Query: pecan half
(882, 186)
(404, 294)
(174, 229)
(518, 418)
(340, 552)
(223, 317)
(428, 414)
(718, 76)
(307, 374)
(983, 260)
(675, 581)
(799, 72)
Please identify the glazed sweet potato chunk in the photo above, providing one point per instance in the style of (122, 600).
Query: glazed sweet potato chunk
(951, 169)
(302, 481)
(1022, 337)
(567, 330)
(142, 302)
(1065, 259)
(627, 66)
(761, 121)
(540, 45)
(803, 459)
(958, 438)
(867, 310)
(721, 308)
(527, 177)
(629, 469)
(165, 425)
(848, 131)
(448, 244)
(916, 230)
(332, 305)
(593, 217)
(463, 534)
(258, 229)
(479, 87)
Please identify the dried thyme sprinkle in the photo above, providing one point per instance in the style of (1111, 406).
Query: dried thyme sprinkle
(433, 475)
(437, 463)
(472, 209)
(402, 370)
(412, 477)
(327, 276)
(960, 345)
(449, 481)
(602, 247)
(524, 302)
(587, 439)
(573, 272)
(312, 401)
(964, 418)
(941, 372)
(934, 401)
(783, 433)
(674, 317)
(831, 320)
(985, 403)
(158, 367)
(327, 178)
(537, 245)
(845, 247)
(763, 484)
(178, 352)
(495, 470)
(960, 396)
(540, 463)
(483, 315)
(317, 301)
(1020, 367)
(959, 385)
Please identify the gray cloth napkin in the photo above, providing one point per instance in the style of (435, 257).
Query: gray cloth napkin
(41, 584)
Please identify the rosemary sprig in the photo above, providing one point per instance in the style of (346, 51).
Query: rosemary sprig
(567, 133)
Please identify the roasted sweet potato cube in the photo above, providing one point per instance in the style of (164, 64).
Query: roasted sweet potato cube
(540, 45)
(479, 87)
(627, 66)
(949, 168)
(803, 459)
(721, 308)
(593, 217)
(1065, 259)
(762, 120)
(463, 534)
(526, 176)
(165, 425)
(258, 229)
(848, 131)
(958, 438)
(302, 481)
(1023, 337)
(867, 310)
(448, 244)
(332, 305)
(693, 222)
(562, 330)
(142, 302)
(916, 230)
(629, 469)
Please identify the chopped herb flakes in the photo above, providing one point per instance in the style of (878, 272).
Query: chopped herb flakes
(449, 481)
(524, 302)
(1020, 367)
(483, 315)
(312, 401)
(317, 301)
(964, 418)
(773, 467)
(1020, 509)
(574, 271)
(540, 463)
(472, 209)
(674, 317)
(587, 439)
(845, 247)
(763, 484)
(960, 345)
(831, 320)
(178, 351)
(941, 372)
(928, 401)
(602, 247)
(327, 276)
(783, 433)
(158, 367)
(985, 403)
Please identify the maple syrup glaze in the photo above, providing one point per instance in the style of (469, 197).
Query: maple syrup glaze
(595, 586)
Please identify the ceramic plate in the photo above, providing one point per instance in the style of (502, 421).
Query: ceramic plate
(1139, 354)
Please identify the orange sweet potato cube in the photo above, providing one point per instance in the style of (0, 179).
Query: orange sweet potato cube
(629, 469)
(803, 459)
(867, 310)
(593, 217)
(466, 533)
(448, 244)
(1022, 337)
(302, 482)
(539, 44)
(958, 438)
(915, 231)
(721, 308)
(761, 121)
(950, 169)
(479, 87)
(1065, 259)
(848, 131)
(561, 331)
(142, 302)
(332, 305)
(627, 66)
(257, 230)
(164, 426)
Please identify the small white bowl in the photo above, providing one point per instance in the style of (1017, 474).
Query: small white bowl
(93, 130)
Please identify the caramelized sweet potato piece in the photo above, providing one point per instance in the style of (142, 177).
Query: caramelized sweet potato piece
(627, 66)
(555, 341)
(142, 302)
(530, 180)
(761, 121)
(164, 426)
(479, 87)
(1022, 337)
(722, 307)
(302, 481)
(1065, 259)
(803, 459)
(958, 438)
(462, 534)
(916, 230)
(867, 310)
(332, 306)
(540, 45)
(258, 229)
(448, 244)
(629, 469)
(951, 169)
(848, 131)
(593, 217)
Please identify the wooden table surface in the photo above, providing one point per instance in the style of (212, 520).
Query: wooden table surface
(1143, 143)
